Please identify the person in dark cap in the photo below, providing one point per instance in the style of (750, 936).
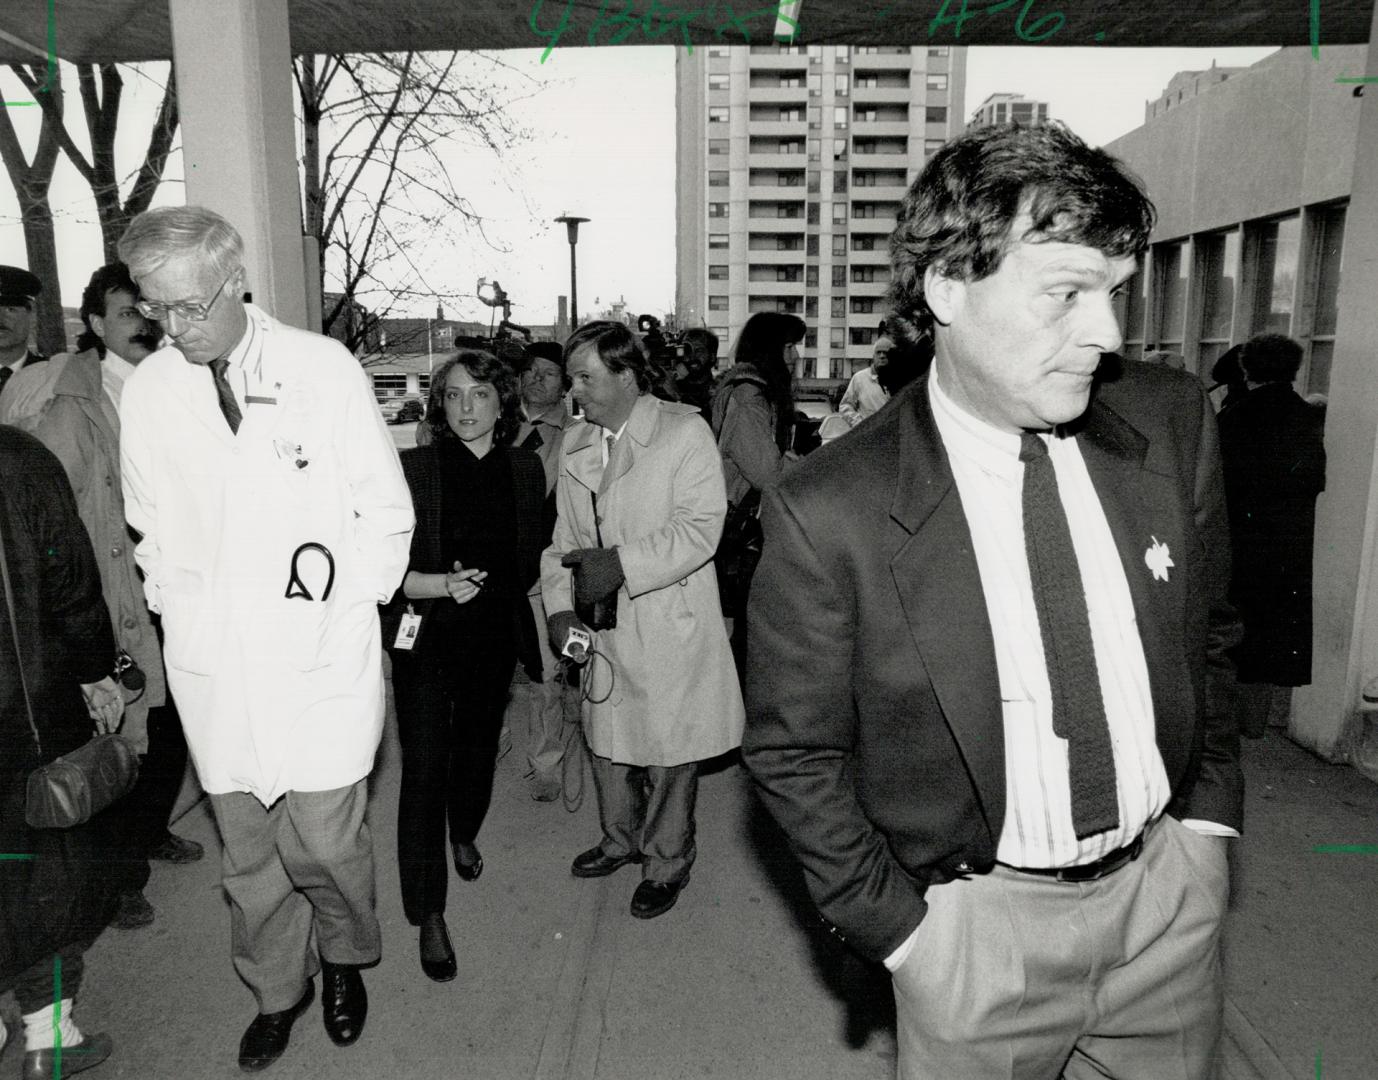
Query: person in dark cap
(18, 288)
(536, 712)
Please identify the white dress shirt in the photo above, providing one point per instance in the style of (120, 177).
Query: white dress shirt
(113, 372)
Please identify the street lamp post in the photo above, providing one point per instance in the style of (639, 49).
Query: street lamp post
(572, 224)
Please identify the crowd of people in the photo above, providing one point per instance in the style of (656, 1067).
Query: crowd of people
(979, 655)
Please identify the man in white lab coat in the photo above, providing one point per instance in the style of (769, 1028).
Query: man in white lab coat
(274, 518)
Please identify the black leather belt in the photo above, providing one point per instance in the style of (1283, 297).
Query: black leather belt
(1092, 871)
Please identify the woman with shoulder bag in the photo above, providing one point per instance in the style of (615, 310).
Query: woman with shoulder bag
(56, 655)
(753, 419)
(458, 625)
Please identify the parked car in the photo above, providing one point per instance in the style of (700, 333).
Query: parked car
(402, 410)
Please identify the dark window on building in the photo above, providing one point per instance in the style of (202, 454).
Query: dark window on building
(935, 114)
(839, 307)
(839, 277)
(717, 178)
(813, 213)
(717, 302)
(717, 240)
(839, 243)
(811, 276)
(717, 272)
(717, 209)
(812, 248)
(718, 146)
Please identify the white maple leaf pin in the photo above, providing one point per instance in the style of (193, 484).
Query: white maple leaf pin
(1158, 559)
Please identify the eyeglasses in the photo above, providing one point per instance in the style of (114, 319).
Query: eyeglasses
(190, 310)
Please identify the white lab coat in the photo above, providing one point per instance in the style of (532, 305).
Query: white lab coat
(275, 693)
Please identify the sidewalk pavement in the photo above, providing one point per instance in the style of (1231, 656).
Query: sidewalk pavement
(558, 982)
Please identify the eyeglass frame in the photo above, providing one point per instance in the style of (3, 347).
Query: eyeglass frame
(200, 313)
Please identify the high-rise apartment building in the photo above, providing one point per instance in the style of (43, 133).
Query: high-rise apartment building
(1001, 108)
(792, 161)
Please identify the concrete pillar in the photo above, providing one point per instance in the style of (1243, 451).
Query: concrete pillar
(234, 81)
(1327, 715)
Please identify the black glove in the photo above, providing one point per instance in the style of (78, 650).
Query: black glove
(597, 572)
(558, 626)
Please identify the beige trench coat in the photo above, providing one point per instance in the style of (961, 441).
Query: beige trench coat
(666, 670)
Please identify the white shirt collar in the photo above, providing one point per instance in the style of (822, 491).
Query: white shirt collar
(117, 366)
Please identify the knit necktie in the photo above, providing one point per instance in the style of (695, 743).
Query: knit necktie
(1078, 710)
(229, 408)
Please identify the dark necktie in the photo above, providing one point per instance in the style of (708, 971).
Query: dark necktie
(5, 373)
(1078, 710)
(533, 441)
(229, 408)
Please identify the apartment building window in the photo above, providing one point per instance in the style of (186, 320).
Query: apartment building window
(1275, 247)
(864, 210)
(1328, 225)
(718, 82)
(937, 50)
(389, 385)
(840, 276)
(812, 245)
(789, 179)
(788, 273)
(717, 302)
(935, 114)
(841, 53)
(839, 307)
(839, 213)
(813, 213)
(840, 83)
(815, 117)
(866, 82)
(787, 210)
(718, 50)
(867, 275)
(839, 243)
(717, 210)
(717, 271)
(815, 177)
(717, 178)
(862, 335)
(791, 82)
(815, 84)
(839, 149)
(936, 80)
(931, 147)
(1218, 258)
(837, 368)
(814, 149)
(863, 305)
(718, 146)
(717, 114)
(717, 240)
(837, 338)
(791, 115)
(863, 241)
(811, 337)
(815, 54)
(864, 114)
(839, 117)
(811, 276)
(1170, 281)
(811, 308)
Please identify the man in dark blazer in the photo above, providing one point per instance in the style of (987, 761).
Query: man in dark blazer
(986, 635)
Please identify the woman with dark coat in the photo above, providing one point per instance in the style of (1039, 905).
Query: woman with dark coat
(55, 892)
(475, 552)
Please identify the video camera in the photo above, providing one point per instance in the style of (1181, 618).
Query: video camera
(686, 374)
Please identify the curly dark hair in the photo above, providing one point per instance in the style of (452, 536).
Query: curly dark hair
(113, 277)
(959, 213)
(482, 367)
(1269, 358)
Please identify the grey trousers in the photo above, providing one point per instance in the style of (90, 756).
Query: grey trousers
(650, 809)
(299, 878)
(1019, 977)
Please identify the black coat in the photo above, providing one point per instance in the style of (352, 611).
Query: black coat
(64, 892)
(874, 724)
(1273, 446)
(421, 466)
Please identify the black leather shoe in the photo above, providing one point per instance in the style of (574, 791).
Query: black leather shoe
(471, 865)
(594, 863)
(345, 1002)
(437, 954)
(266, 1038)
(43, 1064)
(654, 898)
(177, 849)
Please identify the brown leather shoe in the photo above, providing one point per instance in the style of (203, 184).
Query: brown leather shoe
(53, 1064)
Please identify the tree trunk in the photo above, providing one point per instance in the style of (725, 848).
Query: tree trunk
(40, 243)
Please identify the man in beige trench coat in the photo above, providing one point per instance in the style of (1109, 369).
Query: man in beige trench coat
(641, 506)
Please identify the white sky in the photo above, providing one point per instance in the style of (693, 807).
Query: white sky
(603, 148)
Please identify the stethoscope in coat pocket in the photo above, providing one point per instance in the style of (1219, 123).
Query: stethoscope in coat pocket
(296, 588)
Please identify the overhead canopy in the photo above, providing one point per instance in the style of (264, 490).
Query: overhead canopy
(133, 30)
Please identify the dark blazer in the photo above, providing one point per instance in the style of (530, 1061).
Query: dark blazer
(421, 467)
(874, 727)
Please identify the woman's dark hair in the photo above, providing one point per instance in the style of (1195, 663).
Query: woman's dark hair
(1269, 358)
(960, 213)
(109, 278)
(619, 350)
(762, 344)
(482, 367)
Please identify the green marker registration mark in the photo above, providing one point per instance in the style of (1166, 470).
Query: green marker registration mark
(1346, 849)
(51, 54)
(6, 857)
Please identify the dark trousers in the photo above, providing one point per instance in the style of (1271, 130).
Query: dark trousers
(650, 809)
(448, 719)
(36, 988)
(147, 808)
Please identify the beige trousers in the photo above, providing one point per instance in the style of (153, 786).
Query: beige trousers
(1024, 977)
